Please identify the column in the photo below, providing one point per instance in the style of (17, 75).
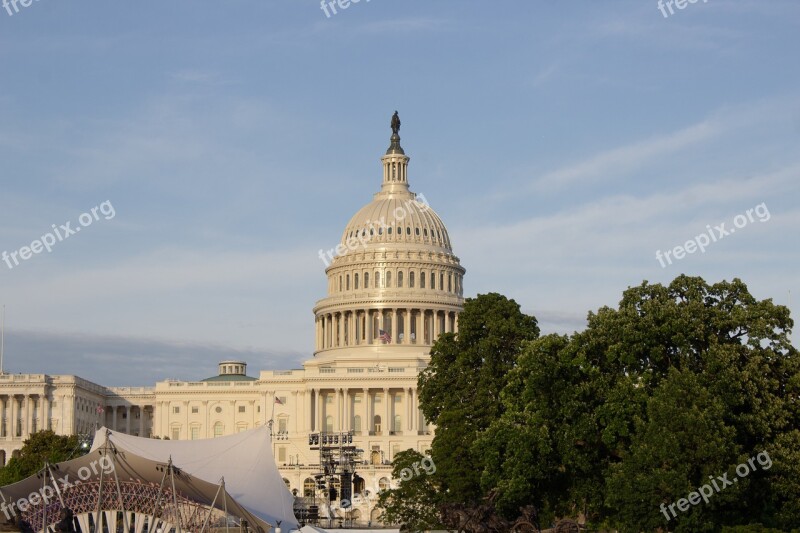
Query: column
(3, 416)
(385, 425)
(319, 410)
(128, 419)
(455, 323)
(12, 429)
(395, 335)
(353, 321)
(114, 418)
(26, 428)
(337, 424)
(366, 426)
(407, 326)
(141, 421)
(368, 323)
(48, 413)
(409, 399)
(348, 425)
(437, 330)
(308, 416)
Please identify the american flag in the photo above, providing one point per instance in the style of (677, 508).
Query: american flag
(385, 337)
(278, 401)
(100, 409)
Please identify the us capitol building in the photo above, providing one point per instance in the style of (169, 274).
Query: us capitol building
(394, 286)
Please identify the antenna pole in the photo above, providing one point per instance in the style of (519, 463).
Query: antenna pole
(2, 339)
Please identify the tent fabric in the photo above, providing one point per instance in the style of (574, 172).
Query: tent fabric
(244, 460)
(77, 481)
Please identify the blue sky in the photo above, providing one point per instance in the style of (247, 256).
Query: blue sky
(563, 143)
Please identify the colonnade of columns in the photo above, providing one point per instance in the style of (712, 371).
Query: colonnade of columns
(23, 414)
(125, 423)
(400, 326)
(375, 418)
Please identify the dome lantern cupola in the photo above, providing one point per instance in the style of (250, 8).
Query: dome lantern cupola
(395, 162)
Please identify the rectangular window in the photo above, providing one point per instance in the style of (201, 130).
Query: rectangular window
(176, 433)
(422, 280)
(281, 454)
(282, 399)
(195, 433)
(176, 410)
(283, 424)
(241, 408)
(195, 410)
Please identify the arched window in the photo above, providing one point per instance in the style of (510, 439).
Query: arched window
(375, 457)
(357, 423)
(388, 279)
(377, 280)
(400, 279)
(329, 424)
(308, 487)
(218, 428)
(441, 281)
(377, 421)
(383, 484)
(355, 281)
(433, 280)
(422, 279)
(411, 279)
(348, 282)
(340, 283)
(366, 280)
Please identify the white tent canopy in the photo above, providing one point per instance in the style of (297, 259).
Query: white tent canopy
(244, 460)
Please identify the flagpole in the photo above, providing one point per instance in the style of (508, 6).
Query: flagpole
(2, 339)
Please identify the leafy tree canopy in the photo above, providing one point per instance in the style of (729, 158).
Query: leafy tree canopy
(40, 447)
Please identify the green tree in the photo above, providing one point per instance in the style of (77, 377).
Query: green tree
(40, 447)
(413, 504)
(678, 383)
(460, 389)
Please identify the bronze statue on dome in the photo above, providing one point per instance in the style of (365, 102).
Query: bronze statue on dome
(395, 123)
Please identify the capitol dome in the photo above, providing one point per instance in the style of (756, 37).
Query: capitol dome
(395, 219)
(395, 284)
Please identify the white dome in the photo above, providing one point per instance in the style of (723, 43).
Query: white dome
(397, 218)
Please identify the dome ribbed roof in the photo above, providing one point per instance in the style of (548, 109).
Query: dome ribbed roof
(397, 218)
